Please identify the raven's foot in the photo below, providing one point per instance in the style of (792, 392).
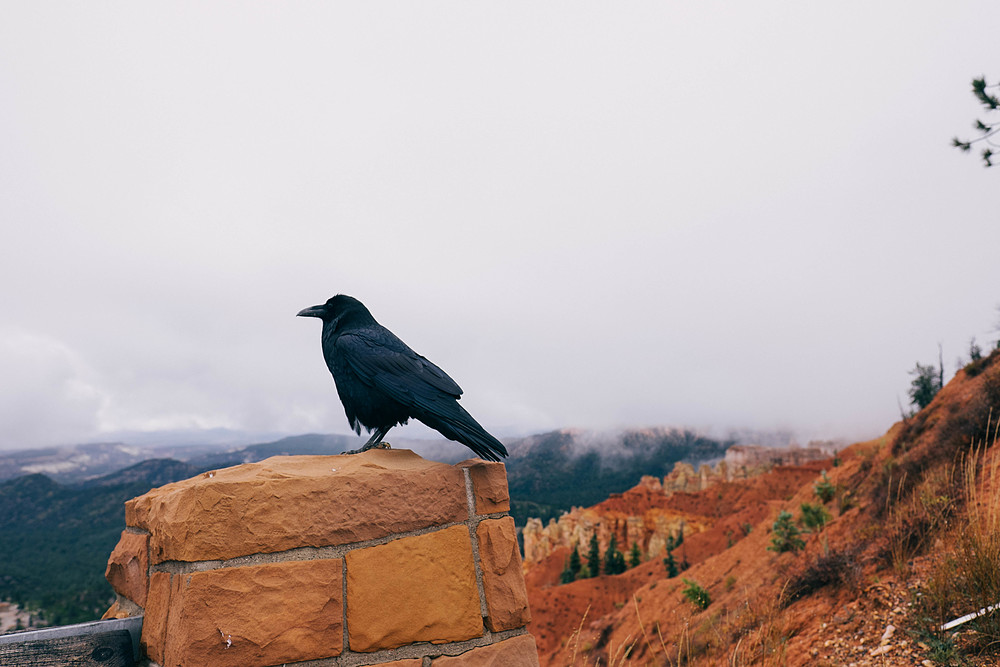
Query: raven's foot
(380, 445)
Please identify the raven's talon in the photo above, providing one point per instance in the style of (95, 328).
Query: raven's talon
(381, 445)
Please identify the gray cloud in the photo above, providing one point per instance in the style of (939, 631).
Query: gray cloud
(659, 214)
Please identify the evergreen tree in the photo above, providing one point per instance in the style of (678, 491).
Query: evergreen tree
(986, 129)
(785, 535)
(575, 563)
(636, 556)
(926, 383)
(609, 556)
(614, 560)
(594, 557)
(671, 565)
(567, 576)
(824, 489)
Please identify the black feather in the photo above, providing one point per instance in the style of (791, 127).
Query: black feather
(383, 383)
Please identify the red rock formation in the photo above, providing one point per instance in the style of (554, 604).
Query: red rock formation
(644, 515)
(715, 519)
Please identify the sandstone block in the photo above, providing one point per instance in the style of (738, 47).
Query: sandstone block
(297, 501)
(254, 616)
(154, 622)
(489, 486)
(503, 581)
(513, 652)
(420, 588)
(128, 567)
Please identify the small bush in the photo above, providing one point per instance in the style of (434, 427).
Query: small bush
(813, 516)
(786, 535)
(824, 490)
(698, 596)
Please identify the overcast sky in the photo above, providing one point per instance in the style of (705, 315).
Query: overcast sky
(706, 214)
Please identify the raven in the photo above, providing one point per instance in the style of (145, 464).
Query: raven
(382, 382)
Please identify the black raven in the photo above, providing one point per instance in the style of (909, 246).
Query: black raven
(382, 382)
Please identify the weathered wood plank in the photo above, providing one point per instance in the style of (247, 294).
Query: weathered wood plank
(111, 643)
(105, 649)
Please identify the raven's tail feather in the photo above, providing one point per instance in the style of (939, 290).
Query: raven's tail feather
(460, 426)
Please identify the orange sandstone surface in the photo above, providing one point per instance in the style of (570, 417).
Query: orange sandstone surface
(375, 558)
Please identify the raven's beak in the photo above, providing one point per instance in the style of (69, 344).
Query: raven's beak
(313, 311)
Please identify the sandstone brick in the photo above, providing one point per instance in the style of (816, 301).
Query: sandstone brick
(514, 652)
(256, 615)
(503, 579)
(296, 501)
(489, 486)
(420, 588)
(128, 567)
(154, 622)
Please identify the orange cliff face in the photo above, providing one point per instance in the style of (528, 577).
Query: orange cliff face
(715, 507)
(855, 592)
(648, 514)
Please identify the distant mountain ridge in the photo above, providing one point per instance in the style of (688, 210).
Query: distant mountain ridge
(67, 520)
(549, 473)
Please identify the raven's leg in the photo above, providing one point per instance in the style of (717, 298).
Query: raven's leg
(376, 438)
(374, 441)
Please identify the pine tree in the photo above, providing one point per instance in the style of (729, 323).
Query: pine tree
(567, 576)
(671, 565)
(609, 556)
(785, 535)
(614, 560)
(594, 557)
(575, 563)
(636, 556)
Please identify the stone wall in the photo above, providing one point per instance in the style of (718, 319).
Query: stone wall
(371, 559)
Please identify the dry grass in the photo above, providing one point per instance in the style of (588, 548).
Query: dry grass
(918, 517)
(977, 558)
(967, 579)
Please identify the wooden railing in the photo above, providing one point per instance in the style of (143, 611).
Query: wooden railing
(113, 643)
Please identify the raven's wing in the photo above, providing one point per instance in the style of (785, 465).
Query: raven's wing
(381, 360)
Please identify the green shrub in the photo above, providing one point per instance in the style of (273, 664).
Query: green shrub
(823, 489)
(785, 535)
(813, 516)
(698, 596)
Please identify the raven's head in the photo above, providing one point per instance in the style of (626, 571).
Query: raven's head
(336, 308)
